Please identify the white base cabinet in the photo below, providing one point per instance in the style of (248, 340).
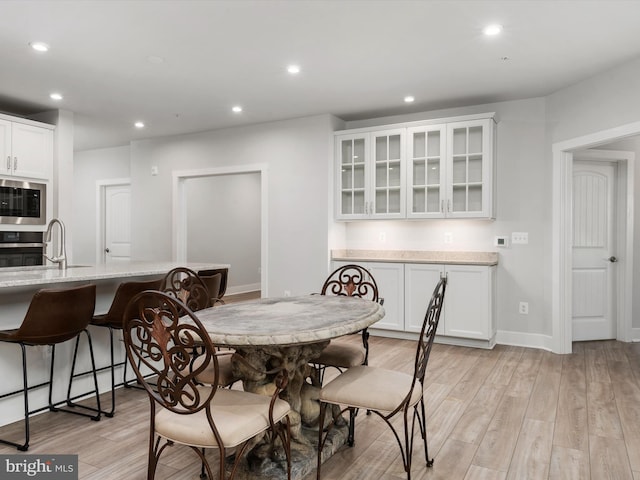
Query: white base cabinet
(468, 316)
(389, 278)
(468, 311)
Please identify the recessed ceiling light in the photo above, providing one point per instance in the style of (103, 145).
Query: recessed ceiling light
(237, 109)
(139, 124)
(491, 30)
(293, 69)
(55, 96)
(409, 99)
(39, 46)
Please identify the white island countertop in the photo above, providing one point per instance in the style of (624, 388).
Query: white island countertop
(50, 275)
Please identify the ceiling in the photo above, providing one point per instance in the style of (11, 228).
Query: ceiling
(179, 65)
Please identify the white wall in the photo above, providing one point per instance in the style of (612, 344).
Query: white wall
(298, 156)
(90, 167)
(223, 226)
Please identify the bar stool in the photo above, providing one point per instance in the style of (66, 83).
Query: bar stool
(113, 321)
(54, 316)
(218, 293)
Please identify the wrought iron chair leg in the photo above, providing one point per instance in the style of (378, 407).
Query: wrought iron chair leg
(323, 408)
(352, 426)
(203, 474)
(423, 427)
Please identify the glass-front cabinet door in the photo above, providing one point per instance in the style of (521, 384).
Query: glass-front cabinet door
(426, 172)
(469, 169)
(352, 154)
(370, 175)
(388, 174)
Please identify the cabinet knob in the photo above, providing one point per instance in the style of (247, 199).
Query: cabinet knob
(15, 163)
(107, 250)
(613, 259)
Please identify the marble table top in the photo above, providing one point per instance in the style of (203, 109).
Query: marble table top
(288, 320)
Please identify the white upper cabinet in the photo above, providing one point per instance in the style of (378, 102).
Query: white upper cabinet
(426, 173)
(370, 175)
(435, 169)
(470, 169)
(27, 149)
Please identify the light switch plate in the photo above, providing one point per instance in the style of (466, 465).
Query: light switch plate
(520, 238)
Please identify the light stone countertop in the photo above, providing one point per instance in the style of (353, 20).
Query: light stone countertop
(288, 321)
(50, 275)
(415, 256)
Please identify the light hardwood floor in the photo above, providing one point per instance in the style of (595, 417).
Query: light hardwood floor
(507, 413)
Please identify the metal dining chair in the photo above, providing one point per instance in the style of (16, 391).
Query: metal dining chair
(187, 286)
(386, 393)
(354, 281)
(182, 410)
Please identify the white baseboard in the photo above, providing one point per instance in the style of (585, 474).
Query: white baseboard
(521, 339)
(250, 287)
(503, 337)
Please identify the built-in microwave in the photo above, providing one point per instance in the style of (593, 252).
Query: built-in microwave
(23, 203)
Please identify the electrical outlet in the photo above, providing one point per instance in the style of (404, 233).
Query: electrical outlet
(523, 308)
(287, 293)
(520, 237)
(448, 237)
(383, 237)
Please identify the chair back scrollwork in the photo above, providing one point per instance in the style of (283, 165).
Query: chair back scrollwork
(351, 281)
(185, 285)
(160, 336)
(428, 332)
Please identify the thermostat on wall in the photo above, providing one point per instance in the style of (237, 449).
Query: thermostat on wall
(501, 241)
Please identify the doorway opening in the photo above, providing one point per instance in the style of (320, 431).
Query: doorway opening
(186, 184)
(562, 255)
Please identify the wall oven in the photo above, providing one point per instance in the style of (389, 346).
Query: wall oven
(19, 249)
(23, 203)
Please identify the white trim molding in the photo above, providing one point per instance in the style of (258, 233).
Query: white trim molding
(178, 216)
(561, 233)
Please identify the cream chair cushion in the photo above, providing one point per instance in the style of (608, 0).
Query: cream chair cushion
(237, 415)
(341, 354)
(370, 388)
(225, 372)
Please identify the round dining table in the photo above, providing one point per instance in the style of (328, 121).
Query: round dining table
(272, 334)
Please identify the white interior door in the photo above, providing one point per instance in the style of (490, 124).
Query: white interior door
(117, 231)
(594, 255)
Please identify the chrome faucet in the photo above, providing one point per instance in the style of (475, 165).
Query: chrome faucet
(61, 258)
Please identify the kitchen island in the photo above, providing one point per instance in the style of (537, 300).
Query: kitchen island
(17, 286)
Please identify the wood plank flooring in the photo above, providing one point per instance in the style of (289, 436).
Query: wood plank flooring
(507, 413)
